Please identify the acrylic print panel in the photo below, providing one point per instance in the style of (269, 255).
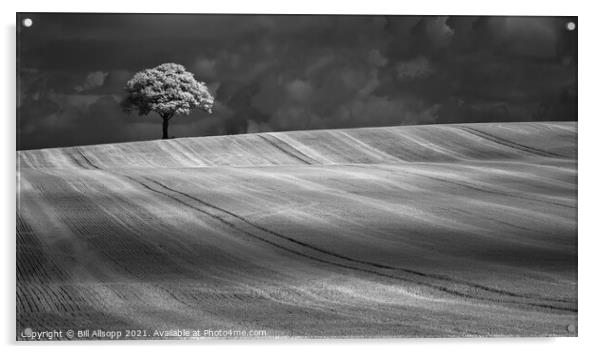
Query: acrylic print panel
(216, 176)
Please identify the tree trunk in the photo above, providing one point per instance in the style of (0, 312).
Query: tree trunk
(165, 126)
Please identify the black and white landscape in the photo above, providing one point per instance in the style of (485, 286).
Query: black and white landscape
(358, 176)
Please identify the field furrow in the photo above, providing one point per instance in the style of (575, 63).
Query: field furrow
(452, 230)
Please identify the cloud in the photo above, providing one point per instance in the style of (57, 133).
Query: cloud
(371, 85)
(93, 80)
(376, 58)
(319, 63)
(115, 81)
(438, 32)
(414, 69)
(299, 90)
(293, 72)
(529, 36)
(205, 68)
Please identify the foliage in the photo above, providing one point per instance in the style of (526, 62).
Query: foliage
(168, 90)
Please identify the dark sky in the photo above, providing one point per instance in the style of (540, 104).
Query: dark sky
(271, 73)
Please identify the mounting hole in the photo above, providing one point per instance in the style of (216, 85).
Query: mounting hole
(571, 26)
(27, 22)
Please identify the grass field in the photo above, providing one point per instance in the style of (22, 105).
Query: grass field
(447, 230)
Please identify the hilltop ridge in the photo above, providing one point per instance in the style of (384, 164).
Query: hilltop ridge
(385, 145)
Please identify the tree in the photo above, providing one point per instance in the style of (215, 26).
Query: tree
(168, 90)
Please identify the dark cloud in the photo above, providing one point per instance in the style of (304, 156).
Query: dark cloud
(93, 80)
(292, 72)
(414, 69)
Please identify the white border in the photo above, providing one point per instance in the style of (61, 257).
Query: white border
(426, 7)
(590, 129)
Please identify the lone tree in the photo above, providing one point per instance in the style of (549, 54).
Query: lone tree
(168, 90)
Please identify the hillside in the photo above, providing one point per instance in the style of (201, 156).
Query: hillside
(442, 230)
(426, 143)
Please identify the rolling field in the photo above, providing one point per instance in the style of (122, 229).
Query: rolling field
(448, 230)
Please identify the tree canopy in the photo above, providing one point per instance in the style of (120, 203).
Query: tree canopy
(168, 90)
